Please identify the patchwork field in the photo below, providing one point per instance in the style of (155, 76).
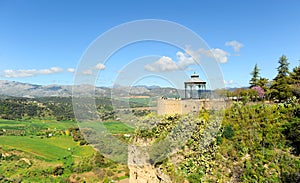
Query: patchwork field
(45, 151)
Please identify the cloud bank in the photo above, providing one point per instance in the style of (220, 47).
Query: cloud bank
(92, 71)
(9, 73)
(184, 60)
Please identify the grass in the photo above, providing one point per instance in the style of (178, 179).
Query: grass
(44, 153)
(36, 123)
(116, 127)
(48, 149)
(8, 124)
(47, 153)
(113, 127)
(138, 102)
(54, 148)
(52, 124)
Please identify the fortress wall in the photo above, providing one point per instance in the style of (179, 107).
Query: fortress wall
(178, 106)
(169, 106)
(191, 105)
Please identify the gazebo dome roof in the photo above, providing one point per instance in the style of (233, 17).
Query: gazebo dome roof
(195, 80)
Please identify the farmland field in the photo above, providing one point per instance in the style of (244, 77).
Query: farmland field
(48, 149)
(36, 123)
(139, 102)
(36, 149)
(116, 127)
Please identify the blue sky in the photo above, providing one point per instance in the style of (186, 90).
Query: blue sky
(42, 41)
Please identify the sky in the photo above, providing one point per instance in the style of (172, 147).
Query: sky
(44, 41)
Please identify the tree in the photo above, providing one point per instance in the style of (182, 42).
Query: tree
(281, 88)
(255, 76)
(295, 76)
(283, 69)
(259, 91)
(263, 83)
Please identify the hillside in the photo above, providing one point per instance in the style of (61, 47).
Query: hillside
(255, 143)
(17, 89)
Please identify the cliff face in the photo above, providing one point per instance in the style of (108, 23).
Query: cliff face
(147, 174)
(141, 171)
(176, 149)
(143, 174)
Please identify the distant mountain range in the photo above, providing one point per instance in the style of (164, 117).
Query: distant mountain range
(18, 89)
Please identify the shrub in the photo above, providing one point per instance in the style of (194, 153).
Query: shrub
(58, 170)
(195, 177)
(228, 132)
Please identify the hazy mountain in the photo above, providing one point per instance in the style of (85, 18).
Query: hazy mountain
(18, 89)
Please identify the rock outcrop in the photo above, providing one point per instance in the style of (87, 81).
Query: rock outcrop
(141, 171)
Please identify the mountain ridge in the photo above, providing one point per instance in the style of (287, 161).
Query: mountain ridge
(27, 90)
(19, 89)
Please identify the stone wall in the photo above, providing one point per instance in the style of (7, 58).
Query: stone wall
(169, 106)
(184, 106)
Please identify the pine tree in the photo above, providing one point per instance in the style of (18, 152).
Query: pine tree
(281, 88)
(263, 83)
(295, 76)
(255, 77)
(283, 69)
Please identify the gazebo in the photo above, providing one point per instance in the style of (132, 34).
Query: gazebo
(194, 82)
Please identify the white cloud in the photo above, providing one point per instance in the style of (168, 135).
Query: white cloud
(220, 55)
(184, 60)
(93, 70)
(235, 44)
(230, 82)
(163, 64)
(100, 66)
(87, 72)
(71, 70)
(9, 73)
(168, 64)
(54, 70)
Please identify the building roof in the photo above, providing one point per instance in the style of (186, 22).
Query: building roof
(195, 80)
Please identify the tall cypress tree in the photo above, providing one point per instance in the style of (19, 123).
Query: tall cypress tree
(281, 88)
(255, 76)
(283, 68)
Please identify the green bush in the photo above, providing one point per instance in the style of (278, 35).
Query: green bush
(58, 170)
(228, 132)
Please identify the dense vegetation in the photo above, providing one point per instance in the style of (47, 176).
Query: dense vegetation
(256, 143)
(53, 151)
(285, 85)
(257, 140)
(260, 143)
(60, 108)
